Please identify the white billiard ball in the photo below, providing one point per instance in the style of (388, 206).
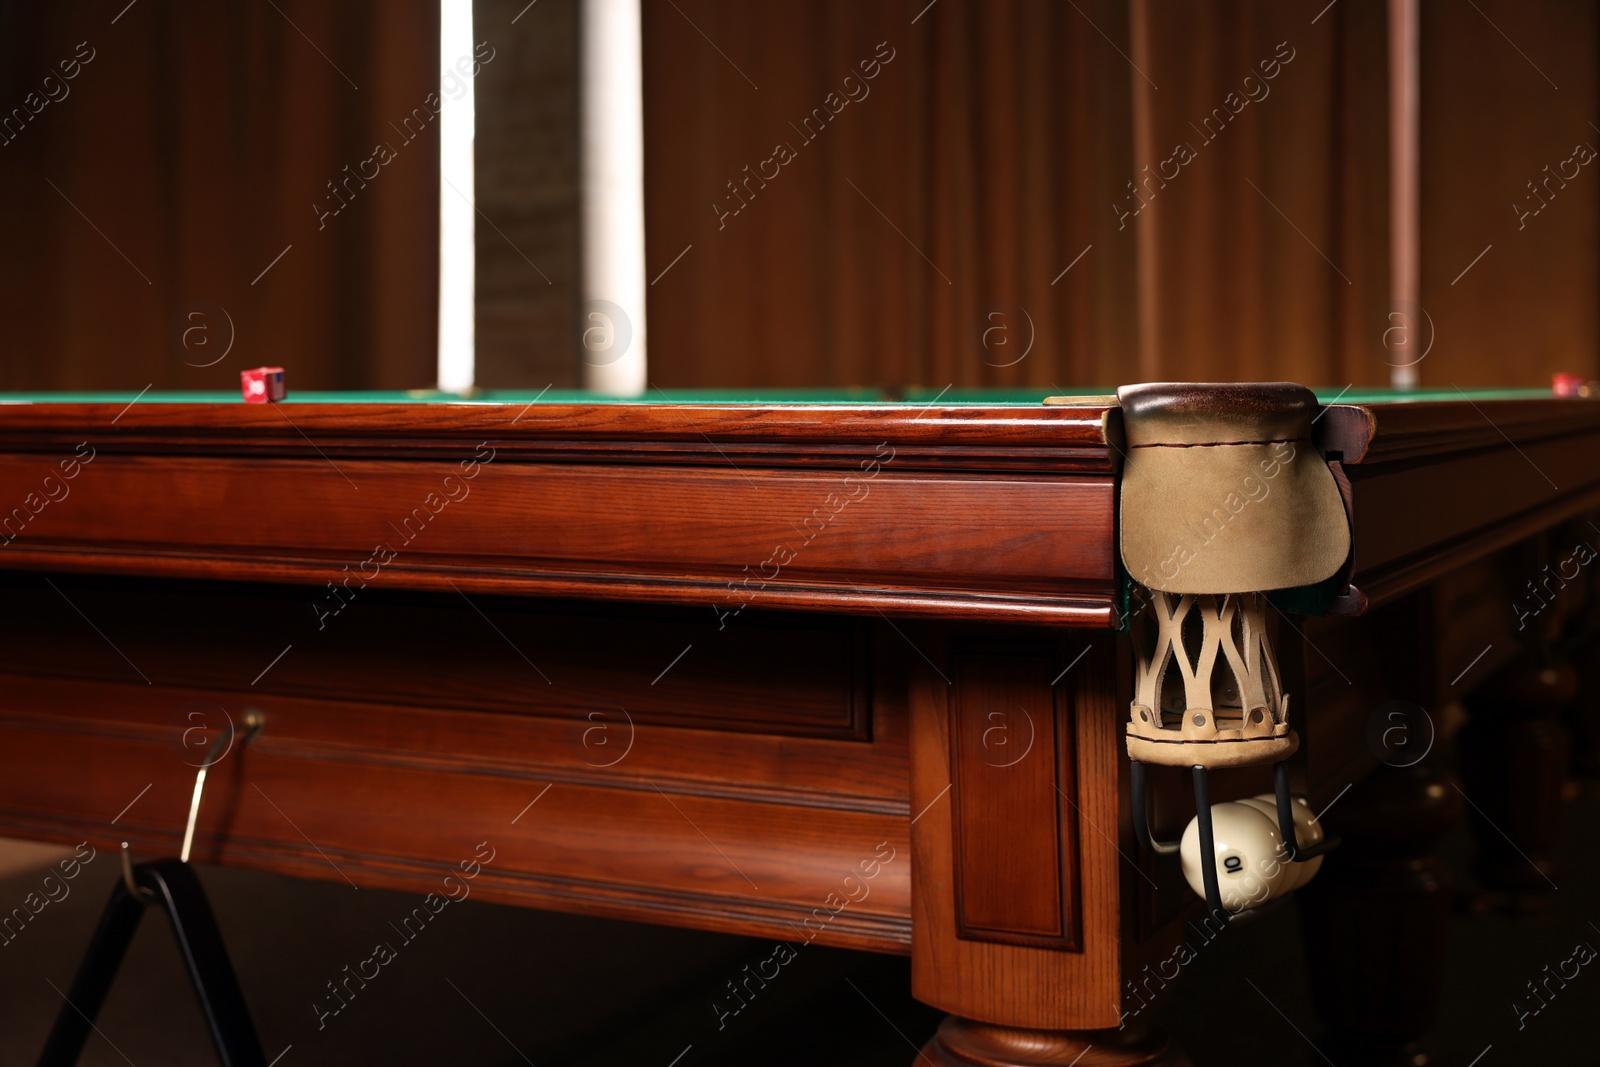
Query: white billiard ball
(1250, 866)
(1308, 832)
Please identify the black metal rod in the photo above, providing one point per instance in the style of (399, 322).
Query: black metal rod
(1141, 819)
(1208, 848)
(1291, 838)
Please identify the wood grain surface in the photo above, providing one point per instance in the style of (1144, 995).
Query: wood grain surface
(723, 507)
(1009, 979)
(704, 790)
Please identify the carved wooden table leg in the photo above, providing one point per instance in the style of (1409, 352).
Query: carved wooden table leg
(964, 1043)
(1514, 761)
(1023, 908)
(1375, 919)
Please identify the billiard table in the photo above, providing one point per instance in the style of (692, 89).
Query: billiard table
(845, 668)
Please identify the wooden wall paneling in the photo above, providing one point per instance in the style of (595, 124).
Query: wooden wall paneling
(1244, 283)
(1028, 133)
(694, 99)
(1492, 120)
(362, 323)
(1126, 200)
(753, 302)
(1290, 281)
(1362, 327)
(1101, 303)
(1001, 141)
(196, 141)
(996, 143)
(895, 305)
(956, 214)
(188, 198)
(401, 256)
(527, 190)
(960, 188)
(32, 229)
(1044, 178)
(102, 295)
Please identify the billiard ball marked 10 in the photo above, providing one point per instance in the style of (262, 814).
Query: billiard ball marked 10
(1252, 863)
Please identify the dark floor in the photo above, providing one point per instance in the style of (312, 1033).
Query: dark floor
(1220, 1020)
(493, 985)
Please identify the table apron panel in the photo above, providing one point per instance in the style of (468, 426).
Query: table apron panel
(768, 857)
(1034, 547)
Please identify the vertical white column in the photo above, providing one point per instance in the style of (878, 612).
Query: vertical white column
(611, 135)
(457, 269)
(1405, 183)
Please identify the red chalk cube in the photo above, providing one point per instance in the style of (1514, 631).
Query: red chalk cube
(1567, 384)
(262, 385)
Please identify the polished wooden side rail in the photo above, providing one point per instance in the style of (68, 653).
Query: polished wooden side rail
(958, 512)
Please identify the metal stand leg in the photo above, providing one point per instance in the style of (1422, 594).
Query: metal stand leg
(118, 923)
(171, 885)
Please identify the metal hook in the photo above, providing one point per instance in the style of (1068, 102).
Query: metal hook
(1202, 808)
(137, 891)
(253, 722)
(1293, 851)
(1208, 848)
(1141, 820)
